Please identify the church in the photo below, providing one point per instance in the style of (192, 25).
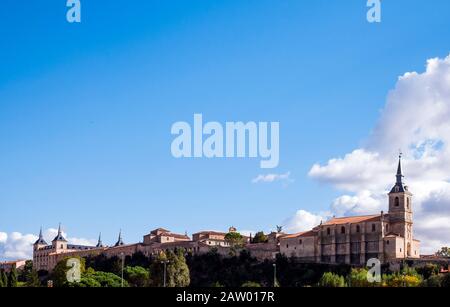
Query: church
(355, 240)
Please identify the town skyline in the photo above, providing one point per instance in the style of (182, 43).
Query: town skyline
(87, 108)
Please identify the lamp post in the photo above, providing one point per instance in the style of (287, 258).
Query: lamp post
(123, 264)
(274, 275)
(165, 270)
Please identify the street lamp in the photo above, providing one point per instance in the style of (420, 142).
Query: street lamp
(165, 270)
(123, 264)
(274, 275)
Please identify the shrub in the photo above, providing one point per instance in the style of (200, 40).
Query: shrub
(330, 280)
(251, 284)
(434, 281)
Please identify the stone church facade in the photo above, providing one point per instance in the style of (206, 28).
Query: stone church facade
(354, 240)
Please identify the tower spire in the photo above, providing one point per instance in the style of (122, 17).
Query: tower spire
(41, 240)
(100, 244)
(119, 240)
(399, 186)
(59, 236)
(399, 169)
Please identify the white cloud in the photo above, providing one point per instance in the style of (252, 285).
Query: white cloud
(416, 118)
(302, 221)
(269, 178)
(16, 245)
(3, 237)
(362, 203)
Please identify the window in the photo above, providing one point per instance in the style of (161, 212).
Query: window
(62, 246)
(387, 228)
(328, 231)
(300, 242)
(397, 202)
(342, 229)
(374, 227)
(287, 245)
(407, 203)
(387, 242)
(358, 228)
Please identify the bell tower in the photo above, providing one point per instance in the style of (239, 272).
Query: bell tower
(400, 211)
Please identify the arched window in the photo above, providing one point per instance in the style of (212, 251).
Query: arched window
(374, 227)
(328, 231)
(358, 228)
(300, 242)
(397, 202)
(342, 229)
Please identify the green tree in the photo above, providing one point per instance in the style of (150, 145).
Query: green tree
(157, 269)
(236, 241)
(428, 270)
(177, 270)
(446, 281)
(28, 267)
(12, 280)
(137, 276)
(86, 282)
(4, 279)
(260, 237)
(32, 279)
(106, 280)
(358, 278)
(251, 284)
(98, 279)
(234, 238)
(331, 280)
(59, 274)
(434, 281)
(1, 279)
(444, 252)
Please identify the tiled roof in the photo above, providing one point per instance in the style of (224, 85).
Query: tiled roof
(353, 219)
(207, 232)
(175, 235)
(160, 229)
(299, 234)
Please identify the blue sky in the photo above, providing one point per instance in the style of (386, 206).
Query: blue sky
(86, 109)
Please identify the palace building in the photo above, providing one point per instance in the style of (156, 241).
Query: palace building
(352, 240)
(46, 256)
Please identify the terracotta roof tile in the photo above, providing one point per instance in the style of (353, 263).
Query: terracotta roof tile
(299, 234)
(352, 219)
